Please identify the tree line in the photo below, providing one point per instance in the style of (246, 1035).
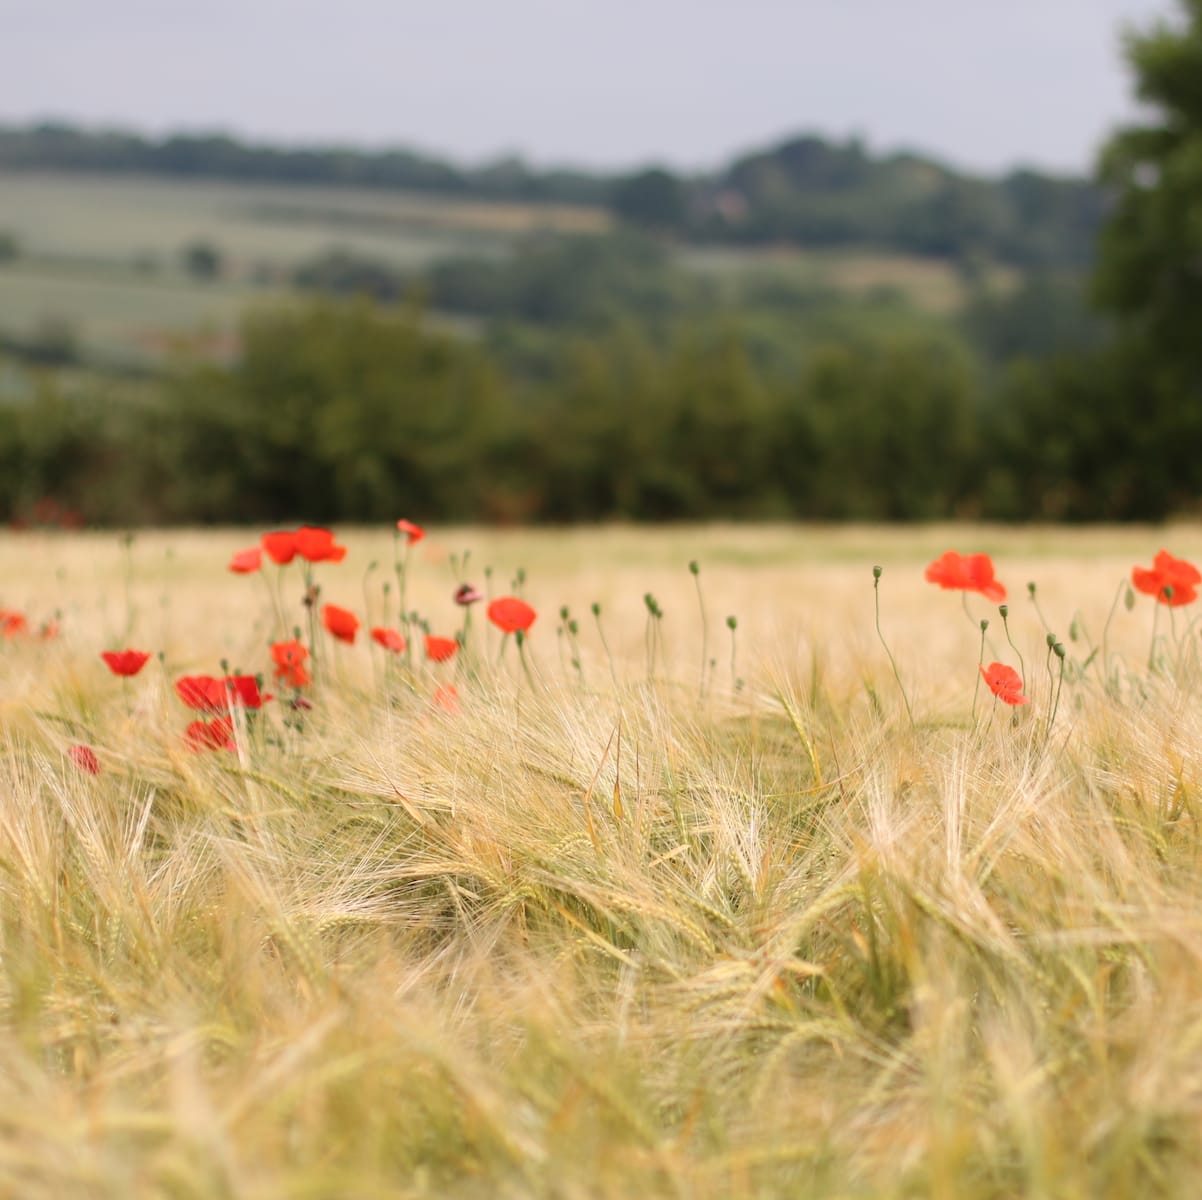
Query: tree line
(806, 190)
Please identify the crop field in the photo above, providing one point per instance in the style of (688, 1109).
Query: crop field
(928, 284)
(102, 253)
(118, 218)
(607, 902)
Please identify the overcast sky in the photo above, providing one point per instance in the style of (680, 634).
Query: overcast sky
(983, 83)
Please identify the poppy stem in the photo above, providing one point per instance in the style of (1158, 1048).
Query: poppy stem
(876, 594)
(695, 569)
(980, 664)
(398, 566)
(1058, 649)
(992, 714)
(1152, 647)
(1004, 610)
(311, 607)
(1039, 611)
(1106, 629)
(608, 654)
(520, 637)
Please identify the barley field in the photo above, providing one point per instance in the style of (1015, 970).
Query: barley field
(641, 906)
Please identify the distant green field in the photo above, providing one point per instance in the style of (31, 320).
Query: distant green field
(928, 283)
(102, 254)
(119, 218)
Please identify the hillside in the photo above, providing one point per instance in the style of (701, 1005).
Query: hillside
(806, 191)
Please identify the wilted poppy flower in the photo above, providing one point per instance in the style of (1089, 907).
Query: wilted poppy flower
(511, 615)
(13, 624)
(1005, 683)
(341, 622)
(413, 533)
(49, 631)
(84, 757)
(966, 572)
(465, 594)
(280, 546)
(1173, 581)
(217, 734)
(125, 662)
(390, 639)
(290, 663)
(439, 649)
(447, 698)
(317, 545)
(245, 562)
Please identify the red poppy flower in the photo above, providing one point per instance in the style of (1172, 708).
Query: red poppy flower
(966, 572)
(390, 639)
(217, 734)
(49, 631)
(341, 622)
(244, 690)
(13, 624)
(280, 546)
(315, 544)
(245, 562)
(465, 594)
(201, 692)
(413, 533)
(439, 649)
(125, 662)
(208, 694)
(1173, 581)
(447, 698)
(84, 757)
(290, 663)
(1005, 683)
(511, 615)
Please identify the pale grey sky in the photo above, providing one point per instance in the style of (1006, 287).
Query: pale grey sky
(983, 83)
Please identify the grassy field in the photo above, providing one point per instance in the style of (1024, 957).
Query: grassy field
(103, 253)
(649, 926)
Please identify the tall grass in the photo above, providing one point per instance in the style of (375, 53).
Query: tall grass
(587, 940)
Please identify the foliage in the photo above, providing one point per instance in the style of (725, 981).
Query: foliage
(1150, 261)
(806, 190)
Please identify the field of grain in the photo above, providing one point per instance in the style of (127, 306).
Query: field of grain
(616, 916)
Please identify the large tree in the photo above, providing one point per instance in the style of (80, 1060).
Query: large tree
(1150, 262)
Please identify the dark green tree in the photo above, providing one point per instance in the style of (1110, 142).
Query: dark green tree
(1150, 261)
(654, 199)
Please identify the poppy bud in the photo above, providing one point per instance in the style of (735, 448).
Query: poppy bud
(596, 609)
(1004, 610)
(984, 624)
(694, 568)
(563, 613)
(876, 572)
(1051, 640)
(732, 623)
(1058, 650)
(573, 627)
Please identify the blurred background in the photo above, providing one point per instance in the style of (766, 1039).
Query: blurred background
(546, 262)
